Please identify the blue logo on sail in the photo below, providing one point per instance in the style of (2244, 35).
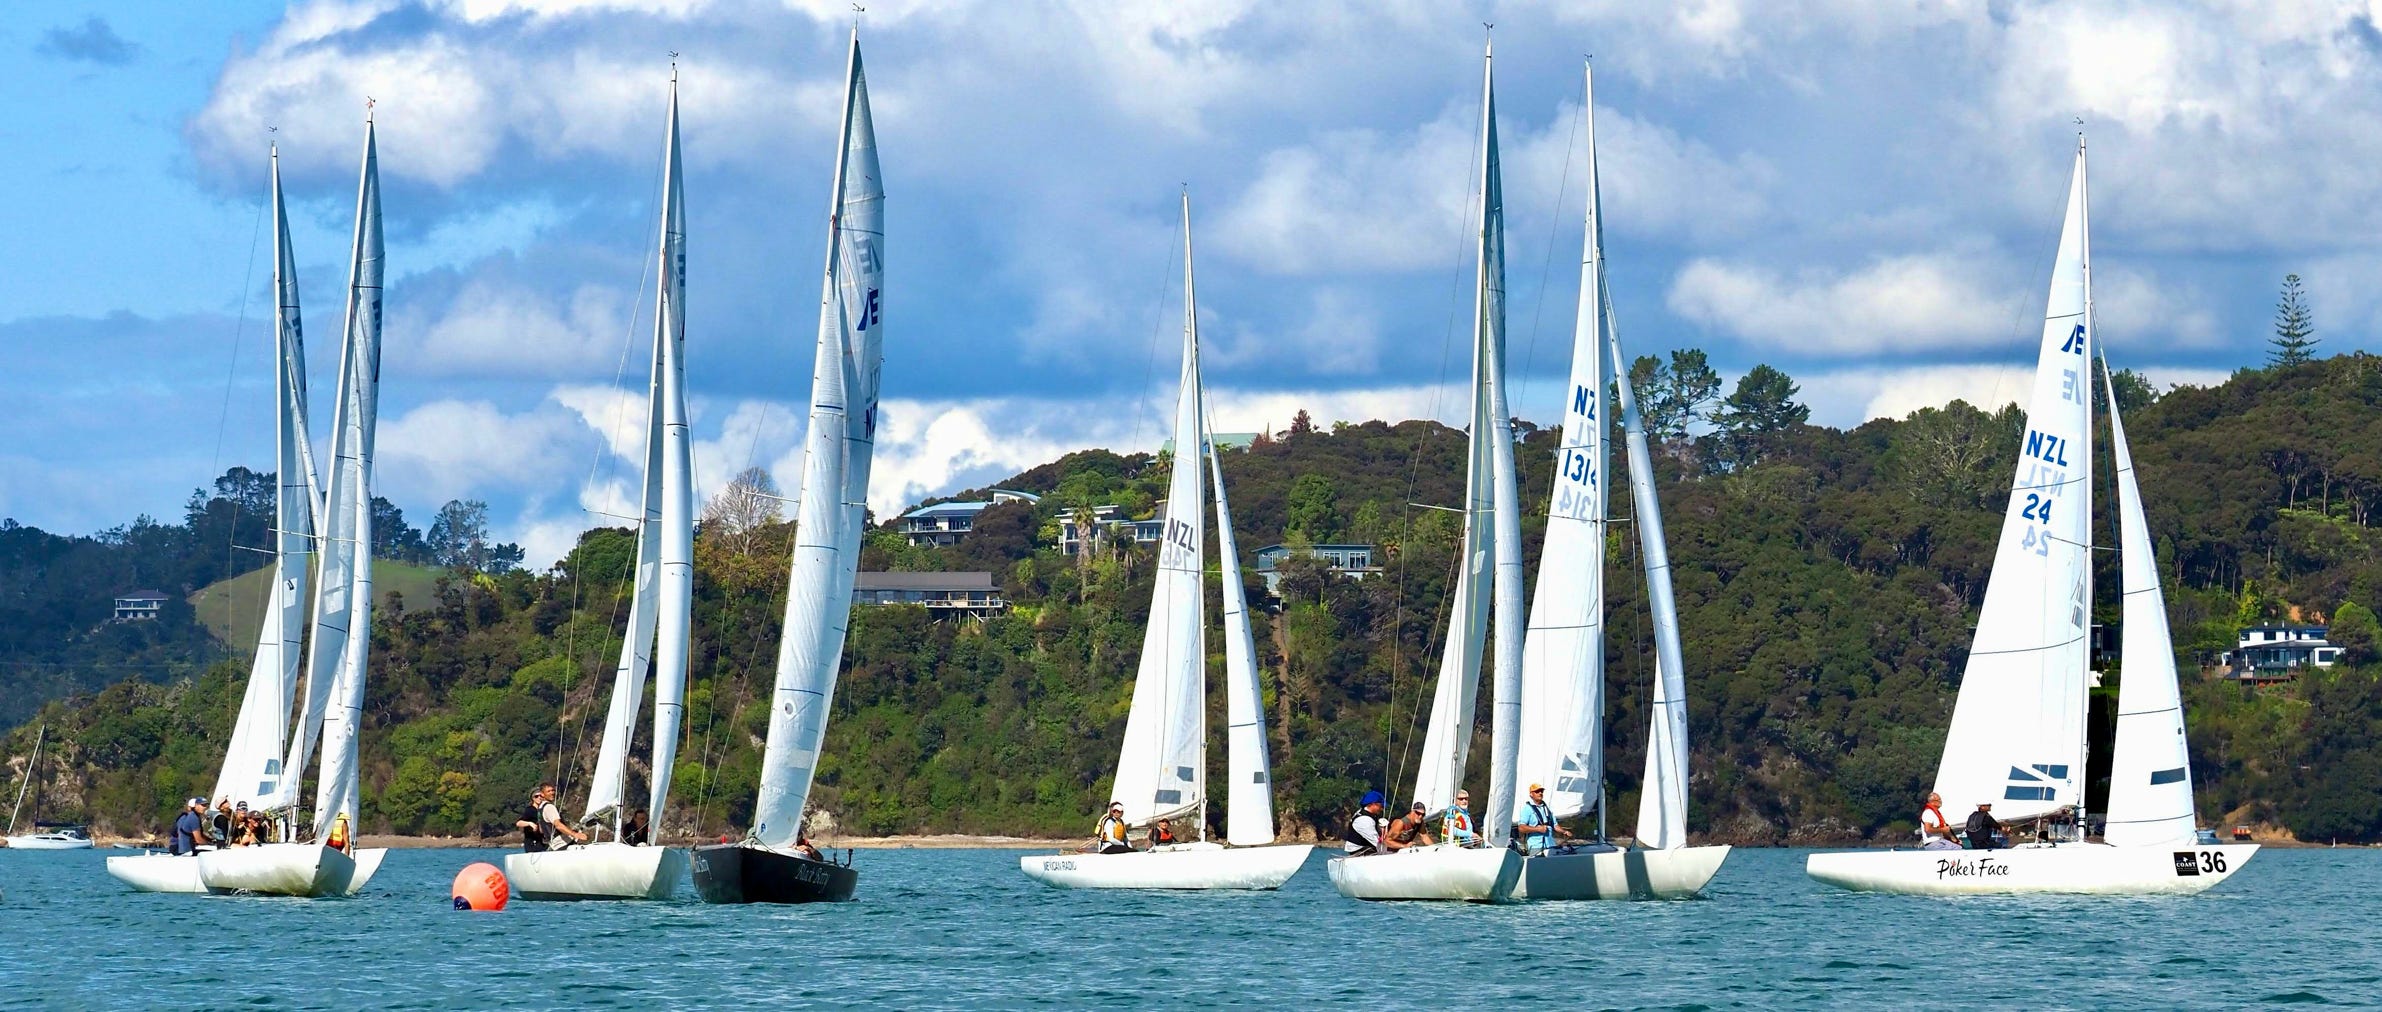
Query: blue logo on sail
(2035, 783)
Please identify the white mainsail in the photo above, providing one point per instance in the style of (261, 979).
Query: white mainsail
(349, 514)
(1249, 818)
(2150, 772)
(1492, 536)
(836, 458)
(253, 761)
(1563, 653)
(2017, 734)
(1162, 766)
(660, 610)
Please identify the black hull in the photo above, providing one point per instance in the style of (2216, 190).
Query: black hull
(735, 873)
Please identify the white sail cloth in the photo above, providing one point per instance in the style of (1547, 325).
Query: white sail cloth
(836, 456)
(2017, 734)
(1249, 819)
(2150, 773)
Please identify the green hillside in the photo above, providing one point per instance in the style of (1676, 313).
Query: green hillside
(232, 610)
(1827, 580)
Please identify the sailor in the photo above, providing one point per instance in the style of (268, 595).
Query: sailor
(224, 829)
(237, 834)
(189, 828)
(802, 844)
(1935, 831)
(636, 832)
(1458, 821)
(1407, 830)
(339, 839)
(1162, 834)
(1536, 829)
(1982, 829)
(1363, 835)
(1109, 838)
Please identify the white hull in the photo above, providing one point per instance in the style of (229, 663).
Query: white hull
(279, 869)
(367, 863)
(157, 873)
(1183, 866)
(2071, 868)
(1441, 872)
(1678, 873)
(604, 871)
(48, 841)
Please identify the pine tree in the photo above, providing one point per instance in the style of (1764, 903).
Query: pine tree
(2294, 327)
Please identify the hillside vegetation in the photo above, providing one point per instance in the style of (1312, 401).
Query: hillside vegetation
(1827, 582)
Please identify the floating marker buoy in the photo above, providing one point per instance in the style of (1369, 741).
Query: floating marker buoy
(481, 886)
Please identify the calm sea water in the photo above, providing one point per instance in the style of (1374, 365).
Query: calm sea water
(944, 928)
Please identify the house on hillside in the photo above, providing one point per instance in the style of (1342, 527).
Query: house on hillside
(944, 523)
(972, 594)
(2273, 653)
(1353, 561)
(139, 606)
(1113, 520)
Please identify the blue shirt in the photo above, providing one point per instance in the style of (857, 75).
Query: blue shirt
(1533, 812)
(186, 833)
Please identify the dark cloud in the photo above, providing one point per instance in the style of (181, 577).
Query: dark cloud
(90, 42)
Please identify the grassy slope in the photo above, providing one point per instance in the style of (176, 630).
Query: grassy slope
(231, 609)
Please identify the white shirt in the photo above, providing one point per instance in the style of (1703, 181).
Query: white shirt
(1929, 820)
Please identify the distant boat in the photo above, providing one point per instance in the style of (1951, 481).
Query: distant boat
(46, 835)
(1492, 548)
(1162, 767)
(2018, 738)
(767, 866)
(1563, 653)
(660, 612)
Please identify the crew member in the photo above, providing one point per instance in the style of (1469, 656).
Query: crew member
(1935, 831)
(1407, 830)
(1982, 828)
(1162, 834)
(189, 828)
(802, 843)
(1363, 835)
(1109, 838)
(636, 832)
(1458, 822)
(1536, 829)
(339, 840)
(224, 829)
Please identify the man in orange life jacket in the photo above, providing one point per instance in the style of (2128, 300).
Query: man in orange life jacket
(1935, 831)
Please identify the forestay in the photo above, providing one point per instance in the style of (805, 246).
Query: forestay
(253, 761)
(2150, 776)
(1562, 732)
(1161, 767)
(836, 457)
(2017, 734)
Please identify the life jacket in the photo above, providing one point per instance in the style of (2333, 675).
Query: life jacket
(1112, 830)
(1939, 820)
(1161, 836)
(338, 839)
(533, 836)
(1358, 844)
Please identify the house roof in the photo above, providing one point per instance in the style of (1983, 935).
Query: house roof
(942, 509)
(142, 595)
(922, 581)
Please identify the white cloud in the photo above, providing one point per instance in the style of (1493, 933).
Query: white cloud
(494, 327)
(1902, 305)
(450, 449)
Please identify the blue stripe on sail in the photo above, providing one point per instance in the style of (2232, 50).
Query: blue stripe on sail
(2173, 776)
(2027, 794)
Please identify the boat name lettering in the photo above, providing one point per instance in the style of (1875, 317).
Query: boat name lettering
(1984, 867)
(1058, 865)
(2046, 447)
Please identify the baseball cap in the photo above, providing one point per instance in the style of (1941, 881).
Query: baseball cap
(1538, 787)
(1371, 798)
(200, 802)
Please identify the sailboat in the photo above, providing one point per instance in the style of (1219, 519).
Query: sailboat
(329, 864)
(660, 612)
(1562, 697)
(2017, 740)
(1488, 580)
(1162, 766)
(768, 865)
(253, 761)
(46, 835)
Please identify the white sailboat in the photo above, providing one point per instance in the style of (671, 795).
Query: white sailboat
(330, 864)
(767, 867)
(46, 835)
(1562, 696)
(253, 760)
(2017, 740)
(1162, 766)
(1489, 577)
(660, 612)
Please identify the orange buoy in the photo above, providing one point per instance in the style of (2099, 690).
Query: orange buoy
(481, 886)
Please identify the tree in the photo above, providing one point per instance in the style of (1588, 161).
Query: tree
(2294, 327)
(1687, 397)
(392, 537)
(2131, 390)
(1301, 424)
(1312, 511)
(1762, 407)
(458, 536)
(2354, 630)
(748, 503)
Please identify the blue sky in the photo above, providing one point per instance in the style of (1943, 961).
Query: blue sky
(1863, 194)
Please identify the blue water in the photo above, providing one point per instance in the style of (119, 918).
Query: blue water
(945, 928)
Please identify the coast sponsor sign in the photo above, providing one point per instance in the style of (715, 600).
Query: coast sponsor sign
(2194, 864)
(1983, 867)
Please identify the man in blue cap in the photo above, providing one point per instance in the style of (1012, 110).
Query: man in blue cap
(1364, 831)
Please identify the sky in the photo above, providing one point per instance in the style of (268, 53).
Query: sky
(1864, 194)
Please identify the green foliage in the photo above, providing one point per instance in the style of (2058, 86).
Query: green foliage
(2294, 338)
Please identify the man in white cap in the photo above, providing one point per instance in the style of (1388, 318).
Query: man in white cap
(1110, 837)
(189, 827)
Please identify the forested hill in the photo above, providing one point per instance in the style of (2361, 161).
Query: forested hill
(1827, 583)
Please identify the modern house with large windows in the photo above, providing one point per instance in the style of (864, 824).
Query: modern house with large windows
(972, 594)
(944, 523)
(140, 606)
(1353, 561)
(2273, 653)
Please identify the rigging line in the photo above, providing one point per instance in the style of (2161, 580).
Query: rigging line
(223, 415)
(1547, 263)
(1414, 458)
(1149, 365)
